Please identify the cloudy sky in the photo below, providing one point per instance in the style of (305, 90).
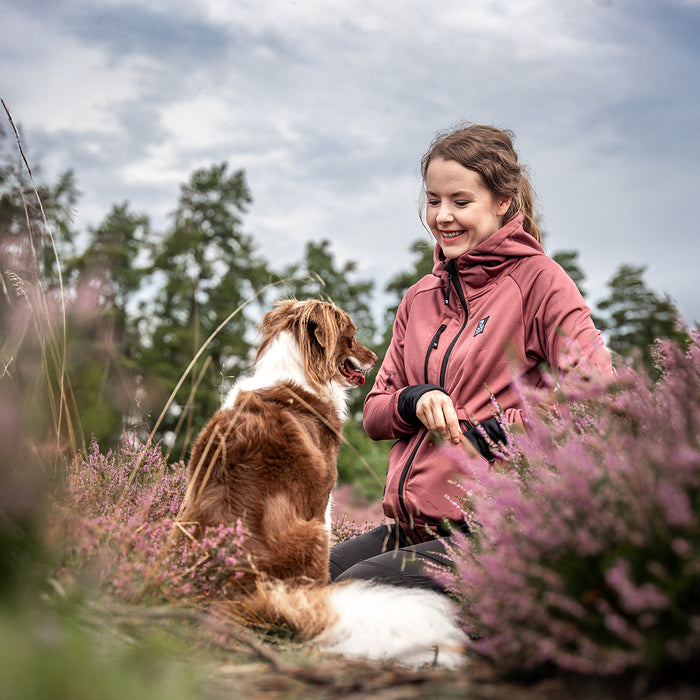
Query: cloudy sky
(328, 105)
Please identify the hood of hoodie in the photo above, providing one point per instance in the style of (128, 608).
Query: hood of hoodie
(492, 258)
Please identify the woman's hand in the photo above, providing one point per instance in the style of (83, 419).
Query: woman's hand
(436, 412)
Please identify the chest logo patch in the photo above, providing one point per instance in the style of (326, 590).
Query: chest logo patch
(481, 325)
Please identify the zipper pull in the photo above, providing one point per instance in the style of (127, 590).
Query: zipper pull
(449, 268)
(436, 338)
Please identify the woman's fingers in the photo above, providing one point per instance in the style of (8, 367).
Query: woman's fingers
(437, 413)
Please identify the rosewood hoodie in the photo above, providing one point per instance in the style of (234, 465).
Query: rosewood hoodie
(496, 313)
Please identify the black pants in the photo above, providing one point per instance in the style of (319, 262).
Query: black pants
(387, 554)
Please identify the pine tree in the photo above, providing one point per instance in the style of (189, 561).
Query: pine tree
(634, 317)
(203, 269)
(317, 277)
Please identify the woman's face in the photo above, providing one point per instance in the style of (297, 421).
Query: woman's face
(461, 212)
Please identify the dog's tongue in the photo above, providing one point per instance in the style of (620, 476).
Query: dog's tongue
(351, 374)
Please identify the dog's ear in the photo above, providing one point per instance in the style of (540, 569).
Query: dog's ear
(321, 324)
(317, 335)
(319, 332)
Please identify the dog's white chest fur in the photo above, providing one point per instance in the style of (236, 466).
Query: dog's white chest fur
(282, 362)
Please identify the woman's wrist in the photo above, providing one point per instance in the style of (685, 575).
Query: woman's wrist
(408, 401)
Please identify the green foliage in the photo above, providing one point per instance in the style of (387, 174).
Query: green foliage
(203, 268)
(635, 317)
(62, 655)
(102, 332)
(363, 462)
(27, 205)
(32, 297)
(110, 263)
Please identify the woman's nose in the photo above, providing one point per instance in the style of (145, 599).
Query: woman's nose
(444, 214)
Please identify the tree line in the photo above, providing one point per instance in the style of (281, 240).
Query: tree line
(141, 303)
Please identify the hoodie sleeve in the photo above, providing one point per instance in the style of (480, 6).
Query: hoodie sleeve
(381, 416)
(561, 330)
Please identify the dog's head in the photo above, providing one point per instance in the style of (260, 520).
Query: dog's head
(325, 336)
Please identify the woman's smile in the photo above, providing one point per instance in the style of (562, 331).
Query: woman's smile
(451, 235)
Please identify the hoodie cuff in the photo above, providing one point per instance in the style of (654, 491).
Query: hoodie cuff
(408, 399)
(493, 429)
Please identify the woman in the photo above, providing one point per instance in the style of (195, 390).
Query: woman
(495, 308)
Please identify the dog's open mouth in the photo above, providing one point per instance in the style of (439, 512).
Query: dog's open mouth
(351, 373)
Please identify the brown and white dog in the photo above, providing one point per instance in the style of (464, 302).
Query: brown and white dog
(268, 457)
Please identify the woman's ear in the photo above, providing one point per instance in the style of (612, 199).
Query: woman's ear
(503, 206)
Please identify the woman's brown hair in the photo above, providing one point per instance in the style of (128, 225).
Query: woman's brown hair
(489, 152)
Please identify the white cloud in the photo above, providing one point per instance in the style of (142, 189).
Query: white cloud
(62, 85)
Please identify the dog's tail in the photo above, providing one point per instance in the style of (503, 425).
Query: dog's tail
(360, 619)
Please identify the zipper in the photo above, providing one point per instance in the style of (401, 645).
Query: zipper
(452, 279)
(404, 472)
(433, 346)
(404, 476)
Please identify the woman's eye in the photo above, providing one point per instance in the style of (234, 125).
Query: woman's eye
(462, 202)
(433, 202)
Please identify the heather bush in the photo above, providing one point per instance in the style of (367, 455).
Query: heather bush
(116, 528)
(343, 528)
(586, 539)
(115, 524)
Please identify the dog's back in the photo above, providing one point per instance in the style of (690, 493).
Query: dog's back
(270, 461)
